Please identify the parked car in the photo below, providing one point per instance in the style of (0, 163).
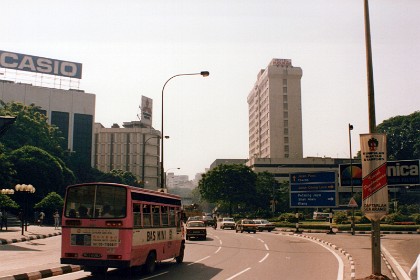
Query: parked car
(264, 225)
(227, 223)
(196, 229)
(246, 225)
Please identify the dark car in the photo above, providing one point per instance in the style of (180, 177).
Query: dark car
(196, 229)
(246, 225)
(208, 220)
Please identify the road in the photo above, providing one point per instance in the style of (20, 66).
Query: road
(229, 255)
(224, 255)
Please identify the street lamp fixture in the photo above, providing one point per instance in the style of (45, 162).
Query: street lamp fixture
(27, 189)
(7, 191)
(162, 171)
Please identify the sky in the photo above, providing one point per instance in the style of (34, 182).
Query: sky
(131, 48)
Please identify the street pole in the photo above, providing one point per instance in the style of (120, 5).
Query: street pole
(351, 181)
(376, 229)
(162, 171)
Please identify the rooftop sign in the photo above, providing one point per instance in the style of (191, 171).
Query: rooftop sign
(42, 65)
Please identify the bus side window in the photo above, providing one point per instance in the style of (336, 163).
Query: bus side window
(136, 215)
(172, 217)
(146, 216)
(164, 215)
(156, 215)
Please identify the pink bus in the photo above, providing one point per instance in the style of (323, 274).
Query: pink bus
(112, 225)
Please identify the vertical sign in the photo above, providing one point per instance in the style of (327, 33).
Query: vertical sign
(374, 179)
(146, 110)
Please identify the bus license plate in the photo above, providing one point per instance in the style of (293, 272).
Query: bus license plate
(92, 255)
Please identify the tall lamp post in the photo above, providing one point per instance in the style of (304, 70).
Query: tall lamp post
(27, 189)
(351, 180)
(162, 170)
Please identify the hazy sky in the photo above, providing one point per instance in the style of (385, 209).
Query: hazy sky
(130, 48)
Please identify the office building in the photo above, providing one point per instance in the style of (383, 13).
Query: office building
(275, 112)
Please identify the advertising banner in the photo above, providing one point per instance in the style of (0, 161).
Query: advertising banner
(374, 179)
(146, 110)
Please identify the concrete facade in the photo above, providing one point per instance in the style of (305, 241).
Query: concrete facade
(72, 111)
(133, 147)
(275, 112)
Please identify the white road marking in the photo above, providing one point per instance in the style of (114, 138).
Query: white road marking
(398, 266)
(150, 277)
(239, 273)
(199, 260)
(340, 273)
(263, 259)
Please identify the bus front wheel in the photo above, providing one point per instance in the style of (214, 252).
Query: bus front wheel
(150, 264)
(180, 257)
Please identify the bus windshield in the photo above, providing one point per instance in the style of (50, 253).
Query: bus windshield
(96, 201)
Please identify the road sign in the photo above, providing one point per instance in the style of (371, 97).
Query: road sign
(352, 203)
(313, 190)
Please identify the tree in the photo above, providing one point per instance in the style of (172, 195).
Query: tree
(39, 168)
(7, 202)
(31, 128)
(49, 204)
(403, 136)
(121, 177)
(231, 184)
(267, 190)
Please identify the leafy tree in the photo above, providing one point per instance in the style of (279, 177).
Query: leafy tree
(31, 128)
(39, 168)
(49, 204)
(121, 177)
(403, 136)
(7, 202)
(7, 170)
(229, 184)
(267, 189)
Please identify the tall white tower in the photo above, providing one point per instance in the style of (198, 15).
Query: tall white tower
(275, 112)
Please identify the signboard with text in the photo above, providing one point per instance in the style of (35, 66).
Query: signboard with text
(313, 190)
(374, 178)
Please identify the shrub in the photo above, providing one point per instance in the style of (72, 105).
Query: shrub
(288, 217)
(364, 220)
(340, 217)
(415, 218)
(395, 217)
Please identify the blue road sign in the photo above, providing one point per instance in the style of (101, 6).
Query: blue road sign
(313, 190)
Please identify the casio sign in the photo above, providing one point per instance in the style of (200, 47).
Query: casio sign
(43, 65)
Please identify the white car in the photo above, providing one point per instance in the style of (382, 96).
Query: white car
(227, 223)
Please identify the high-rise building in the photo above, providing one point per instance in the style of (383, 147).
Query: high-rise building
(133, 147)
(275, 112)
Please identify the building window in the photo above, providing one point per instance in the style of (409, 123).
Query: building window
(82, 136)
(61, 120)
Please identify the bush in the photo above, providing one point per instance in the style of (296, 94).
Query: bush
(340, 217)
(364, 220)
(288, 217)
(395, 217)
(415, 218)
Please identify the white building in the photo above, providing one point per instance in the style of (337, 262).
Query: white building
(133, 147)
(275, 112)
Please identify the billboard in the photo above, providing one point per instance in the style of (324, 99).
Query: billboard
(313, 190)
(146, 110)
(374, 179)
(24, 62)
(400, 172)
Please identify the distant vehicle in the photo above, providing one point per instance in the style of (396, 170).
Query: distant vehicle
(264, 225)
(246, 225)
(208, 220)
(321, 216)
(195, 218)
(227, 223)
(196, 229)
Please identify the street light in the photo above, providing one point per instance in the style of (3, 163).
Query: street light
(162, 171)
(25, 189)
(7, 191)
(351, 180)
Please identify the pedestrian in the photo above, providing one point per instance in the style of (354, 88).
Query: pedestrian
(1, 220)
(41, 218)
(4, 219)
(56, 220)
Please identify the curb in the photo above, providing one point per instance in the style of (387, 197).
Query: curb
(43, 273)
(24, 239)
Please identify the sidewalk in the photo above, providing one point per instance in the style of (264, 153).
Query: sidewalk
(14, 235)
